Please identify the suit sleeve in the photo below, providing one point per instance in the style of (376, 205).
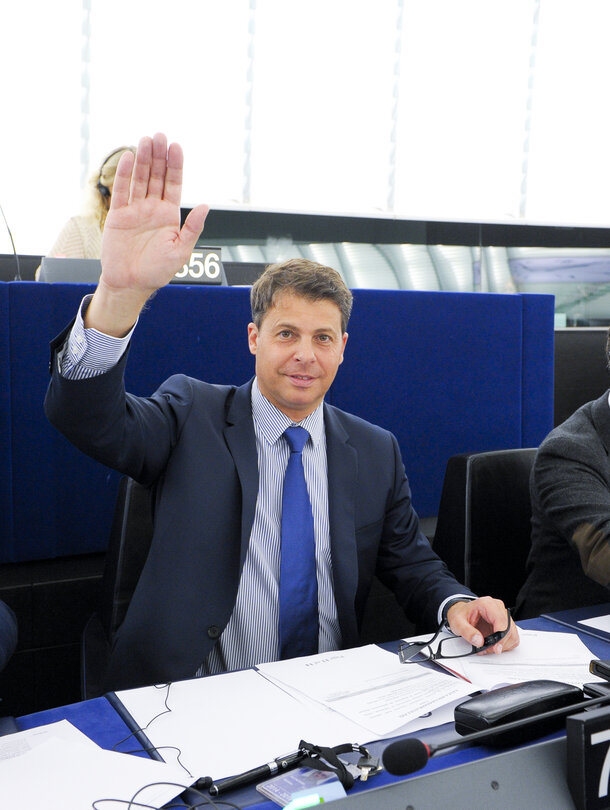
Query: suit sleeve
(131, 434)
(569, 481)
(406, 562)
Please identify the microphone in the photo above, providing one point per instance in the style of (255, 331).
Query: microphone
(406, 756)
(409, 755)
(15, 254)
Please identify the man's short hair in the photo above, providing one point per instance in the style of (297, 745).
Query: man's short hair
(302, 277)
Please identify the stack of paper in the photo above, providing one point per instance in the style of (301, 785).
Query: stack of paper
(59, 768)
(367, 685)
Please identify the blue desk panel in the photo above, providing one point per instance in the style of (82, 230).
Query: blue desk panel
(446, 372)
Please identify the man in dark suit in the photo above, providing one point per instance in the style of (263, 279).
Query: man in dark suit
(569, 563)
(207, 599)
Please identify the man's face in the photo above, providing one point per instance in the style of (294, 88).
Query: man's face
(298, 347)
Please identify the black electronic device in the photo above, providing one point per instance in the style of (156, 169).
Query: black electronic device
(250, 777)
(517, 701)
(596, 688)
(601, 668)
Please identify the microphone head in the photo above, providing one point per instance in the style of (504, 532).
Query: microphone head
(405, 756)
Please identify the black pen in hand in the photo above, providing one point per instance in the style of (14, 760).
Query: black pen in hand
(254, 775)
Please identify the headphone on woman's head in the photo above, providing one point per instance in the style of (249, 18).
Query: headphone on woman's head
(102, 187)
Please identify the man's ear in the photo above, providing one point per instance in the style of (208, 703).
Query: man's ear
(344, 339)
(252, 337)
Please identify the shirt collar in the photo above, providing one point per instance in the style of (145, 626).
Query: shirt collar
(272, 423)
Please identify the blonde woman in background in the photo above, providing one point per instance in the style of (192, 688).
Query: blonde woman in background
(81, 236)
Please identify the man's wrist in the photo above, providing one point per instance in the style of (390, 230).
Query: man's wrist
(114, 312)
(89, 352)
(449, 604)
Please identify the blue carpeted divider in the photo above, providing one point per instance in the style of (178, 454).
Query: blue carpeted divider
(446, 372)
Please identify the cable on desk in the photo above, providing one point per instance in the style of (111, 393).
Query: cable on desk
(132, 803)
(167, 710)
(207, 800)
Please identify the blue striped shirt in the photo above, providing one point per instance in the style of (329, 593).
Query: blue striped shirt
(251, 636)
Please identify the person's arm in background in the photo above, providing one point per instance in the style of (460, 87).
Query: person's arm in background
(575, 496)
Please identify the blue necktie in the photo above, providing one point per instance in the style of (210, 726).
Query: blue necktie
(298, 623)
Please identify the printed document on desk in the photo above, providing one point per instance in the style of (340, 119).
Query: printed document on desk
(368, 685)
(227, 724)
(57, 767)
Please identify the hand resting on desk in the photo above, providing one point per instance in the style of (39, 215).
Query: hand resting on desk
(480, 617)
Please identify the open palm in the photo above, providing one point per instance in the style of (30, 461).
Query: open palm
(143, 245)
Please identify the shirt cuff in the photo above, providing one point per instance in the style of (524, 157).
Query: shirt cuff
(88, 352)
(446, 604)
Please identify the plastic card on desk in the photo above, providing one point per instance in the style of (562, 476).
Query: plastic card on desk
(281, 788)
(575, 617)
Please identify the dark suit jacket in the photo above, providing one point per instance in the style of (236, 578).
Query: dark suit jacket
(195, 443)
(569, 563)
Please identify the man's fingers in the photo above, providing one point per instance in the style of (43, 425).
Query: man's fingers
(122, 180)
(509, 642)
(173, 175)
(158, 169)
(141, 170)
(193, 224)
(479, 618)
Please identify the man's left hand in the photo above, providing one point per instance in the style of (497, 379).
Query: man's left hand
(479, 618)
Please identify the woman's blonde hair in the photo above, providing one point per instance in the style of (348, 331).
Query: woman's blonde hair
(99, 187)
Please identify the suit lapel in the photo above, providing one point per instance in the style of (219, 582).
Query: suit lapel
(342, 475)
(239, 435)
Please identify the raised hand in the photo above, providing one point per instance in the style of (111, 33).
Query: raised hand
(142, 245)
